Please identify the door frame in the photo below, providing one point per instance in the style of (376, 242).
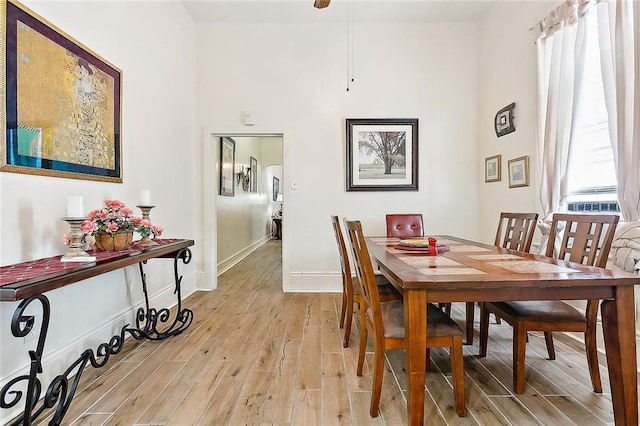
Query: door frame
(210, 176)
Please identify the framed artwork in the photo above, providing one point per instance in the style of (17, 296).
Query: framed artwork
(276, 188)
(519, 172)
(382, 154)
(62, 115)
(227, 166)
(253, 164)
(492, 168)
(503, 122)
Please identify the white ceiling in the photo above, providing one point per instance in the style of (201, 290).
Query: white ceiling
(302, 11)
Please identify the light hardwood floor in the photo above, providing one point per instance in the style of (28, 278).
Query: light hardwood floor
(256, 355)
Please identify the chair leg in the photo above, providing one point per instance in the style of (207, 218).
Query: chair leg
(470, 308)
(447, 308)
(363, 346)
(484, 330)
(548, 339)
(348, 320)
(519, 351)
(591, 347)
(457, 370)
(343, 308)
(378, 371)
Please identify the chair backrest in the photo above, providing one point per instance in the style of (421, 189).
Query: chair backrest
(405, 225)
(364, 270)
(515, 230)
(345, 266)
(586, 238)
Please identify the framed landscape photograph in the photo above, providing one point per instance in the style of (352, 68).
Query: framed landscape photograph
(253, 164)
(227, 166)
(276, 188)
(492, 168)
(62, 115)
(519, 172)
(382, 154)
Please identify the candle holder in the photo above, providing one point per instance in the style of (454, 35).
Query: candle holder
(146, 241)
(75, 252)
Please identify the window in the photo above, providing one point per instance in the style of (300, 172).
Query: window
(591, 174)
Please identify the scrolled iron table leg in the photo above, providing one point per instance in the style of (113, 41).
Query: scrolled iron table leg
(154, 324)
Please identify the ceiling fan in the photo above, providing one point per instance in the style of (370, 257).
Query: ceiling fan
(321, 4)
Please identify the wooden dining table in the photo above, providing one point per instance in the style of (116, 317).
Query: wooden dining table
(474, 272)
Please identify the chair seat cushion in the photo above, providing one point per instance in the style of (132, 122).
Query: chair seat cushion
(438, 323)
(547, 310)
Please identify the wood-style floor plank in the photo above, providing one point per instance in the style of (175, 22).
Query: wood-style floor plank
(256, 355)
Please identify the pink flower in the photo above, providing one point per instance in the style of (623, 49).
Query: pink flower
(88, 227)
(65, 240)
(158, 230)
(112, 227)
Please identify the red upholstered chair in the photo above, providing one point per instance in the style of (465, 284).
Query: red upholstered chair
(586, 239)
(384, 322)
(351, 292)
(404, 225)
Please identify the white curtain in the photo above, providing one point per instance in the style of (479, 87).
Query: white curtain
(561, 49)
(619, 33)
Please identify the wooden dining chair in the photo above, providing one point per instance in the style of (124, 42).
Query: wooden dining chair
(405, 225)
(515, 232)
(585, 239)
(351, 293)
(385, 322)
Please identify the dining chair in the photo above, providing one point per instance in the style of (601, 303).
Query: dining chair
(351, 292)
(585, 239)
(385, 322)
(405, 225)
(515, 231)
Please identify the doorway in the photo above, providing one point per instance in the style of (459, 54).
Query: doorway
(214, 204)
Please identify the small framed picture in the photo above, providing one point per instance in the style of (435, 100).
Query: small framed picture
(227, 166)
(253, 165)
(493, 169)
(519, 172)
(503, 123)
(276, 188)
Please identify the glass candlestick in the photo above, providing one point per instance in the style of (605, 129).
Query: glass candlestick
(145, 241)
(75, 252)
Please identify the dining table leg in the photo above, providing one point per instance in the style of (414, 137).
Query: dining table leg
(618, 325)
(415, 320)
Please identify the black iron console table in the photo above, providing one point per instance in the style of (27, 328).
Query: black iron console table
(29, 281)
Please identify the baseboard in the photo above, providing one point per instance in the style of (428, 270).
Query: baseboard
(316, 282)
(230, 262)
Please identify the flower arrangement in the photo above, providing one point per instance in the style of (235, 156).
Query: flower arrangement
(114, 217)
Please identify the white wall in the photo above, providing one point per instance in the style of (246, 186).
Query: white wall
(293, 77)
(159, 137)
(508, 74)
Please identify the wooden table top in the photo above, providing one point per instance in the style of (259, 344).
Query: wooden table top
(472, 265)
(26, 279)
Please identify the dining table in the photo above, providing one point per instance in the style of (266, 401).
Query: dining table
(469, 271)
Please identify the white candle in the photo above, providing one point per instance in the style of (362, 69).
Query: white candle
(145, 197)
(75, 206)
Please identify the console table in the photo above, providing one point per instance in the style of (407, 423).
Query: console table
(28, 281)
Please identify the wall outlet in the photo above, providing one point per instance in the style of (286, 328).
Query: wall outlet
(33, 334)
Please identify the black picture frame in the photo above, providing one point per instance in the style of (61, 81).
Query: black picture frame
(503, 122)
(79, 138)
(227, 166)
(253, 165)
(276, 188)
(369, 167)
